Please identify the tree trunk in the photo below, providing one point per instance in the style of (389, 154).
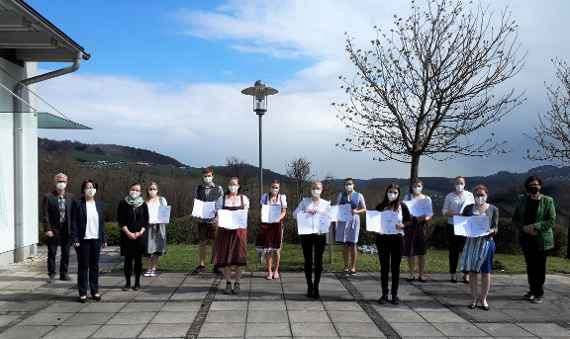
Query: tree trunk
(414, 170)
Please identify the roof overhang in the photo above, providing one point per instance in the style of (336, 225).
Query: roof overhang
(25, 35)
(52, 121)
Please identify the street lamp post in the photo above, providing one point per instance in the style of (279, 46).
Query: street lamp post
(259, 92)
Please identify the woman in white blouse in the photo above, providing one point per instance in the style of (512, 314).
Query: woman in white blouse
(88, 236)
(314, 242)
(453, 205)
(230, 246)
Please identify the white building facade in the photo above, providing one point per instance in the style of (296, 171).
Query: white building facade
(26, 38)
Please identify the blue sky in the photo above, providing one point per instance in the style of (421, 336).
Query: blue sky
(166, 76)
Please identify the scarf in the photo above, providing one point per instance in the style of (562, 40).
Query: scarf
(137, 202)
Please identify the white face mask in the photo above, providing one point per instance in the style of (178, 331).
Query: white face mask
(349, 187)
(233, 188)
(275, 191)
(480, 200)
(208, 179)
(134, 194)
(392, 196)
(460, 188)
(316, 193)
(61, 185)
(417, 189)
(90, 192)
(152, 193)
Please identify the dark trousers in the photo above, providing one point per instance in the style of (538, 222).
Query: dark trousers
(390, 254)
(130, 259)
(535, 260)
(62, 240)
(455, 245)
(88, 266)
(313, 244)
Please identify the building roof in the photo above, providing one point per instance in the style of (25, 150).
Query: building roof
(26, 35)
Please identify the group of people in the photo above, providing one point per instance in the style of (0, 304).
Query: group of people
(80, 223)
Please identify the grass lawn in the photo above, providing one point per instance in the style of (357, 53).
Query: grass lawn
(183, 258)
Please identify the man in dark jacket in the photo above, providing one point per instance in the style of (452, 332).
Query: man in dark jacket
(56, 209)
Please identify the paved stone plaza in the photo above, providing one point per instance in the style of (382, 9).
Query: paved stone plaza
(178, 305)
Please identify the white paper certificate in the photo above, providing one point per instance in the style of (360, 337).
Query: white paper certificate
(383, 222)
(341, 213)
(204, 209)
(163, 216)
(389, 221)
(471, 227)
(308, 223)
(270, 213)
(373, 221)
(232, 220)
(419, 207)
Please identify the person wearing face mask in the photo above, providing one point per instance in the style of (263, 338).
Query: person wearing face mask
(347, 232)
(390, 245)
(535, 216)
(155, 237)
(270, 236)
(477, 257)
(453, 205)
(313, 245)
(132, 216)
(230, 247)
(415, 247)
(206, 191)
(56, 207)
(88, 235)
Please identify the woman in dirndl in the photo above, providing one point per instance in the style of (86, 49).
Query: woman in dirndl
(155, 236)
(270, 237)
(477, 257)
(347, 232)
(230, 246)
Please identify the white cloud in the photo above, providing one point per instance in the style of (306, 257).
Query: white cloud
(186, 121)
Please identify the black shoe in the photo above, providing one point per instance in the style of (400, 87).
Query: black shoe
(395, 300)
(236, 288)
(529, 296)
(199, 269)
(537, 300)
(83, 299)
(137, 287)
(383, 299)
(126, 287)
(453, 280)
(64, 277)
(228, 289)
(316, 294)
(97, 297)
(483, 307)
(465, 281)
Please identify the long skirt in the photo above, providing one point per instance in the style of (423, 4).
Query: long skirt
(414, 240)
(230, 248)
(270, 238)
(477, 255)
(155, 239)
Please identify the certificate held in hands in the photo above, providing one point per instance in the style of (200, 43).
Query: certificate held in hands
(472, 227)
(232, 220)
(419, 208)
(341, 213)
(308, 223)
(204, 209)
(162, 217)
(270, 214)
(382, 222)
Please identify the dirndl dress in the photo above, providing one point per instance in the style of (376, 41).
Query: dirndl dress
(269, 239)
(230, 246)
(348, 232)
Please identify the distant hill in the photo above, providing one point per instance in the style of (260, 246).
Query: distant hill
(93, 153)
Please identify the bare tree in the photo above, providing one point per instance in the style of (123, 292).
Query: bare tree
(299, 170)
(553, 131)
(425, 86)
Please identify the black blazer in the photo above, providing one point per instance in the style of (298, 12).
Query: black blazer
(79, 220)
(50, 210)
